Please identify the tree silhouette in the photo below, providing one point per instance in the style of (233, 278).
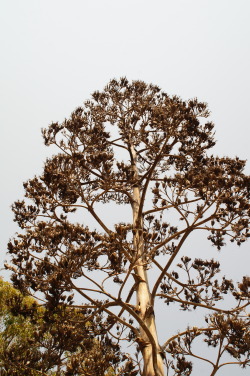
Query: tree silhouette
(134, 146)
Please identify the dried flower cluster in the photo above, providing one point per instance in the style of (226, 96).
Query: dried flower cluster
(134, 146)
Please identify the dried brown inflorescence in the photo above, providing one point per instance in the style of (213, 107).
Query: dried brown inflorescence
(134, 146)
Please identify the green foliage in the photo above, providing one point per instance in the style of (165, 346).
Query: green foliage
(34, 341)
(18, 352)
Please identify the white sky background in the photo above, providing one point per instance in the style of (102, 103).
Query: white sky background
(55, 53)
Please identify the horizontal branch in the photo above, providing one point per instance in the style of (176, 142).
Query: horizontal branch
(194, 304)
(169, 206)
(192, 330)
(239, 363)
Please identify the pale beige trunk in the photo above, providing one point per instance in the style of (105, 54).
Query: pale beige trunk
(153, 362)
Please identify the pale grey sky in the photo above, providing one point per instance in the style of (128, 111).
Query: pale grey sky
(55, 53)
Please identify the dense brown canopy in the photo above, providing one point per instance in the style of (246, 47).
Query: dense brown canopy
(134, 146)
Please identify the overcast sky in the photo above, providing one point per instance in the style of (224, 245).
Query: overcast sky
(55, 53)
